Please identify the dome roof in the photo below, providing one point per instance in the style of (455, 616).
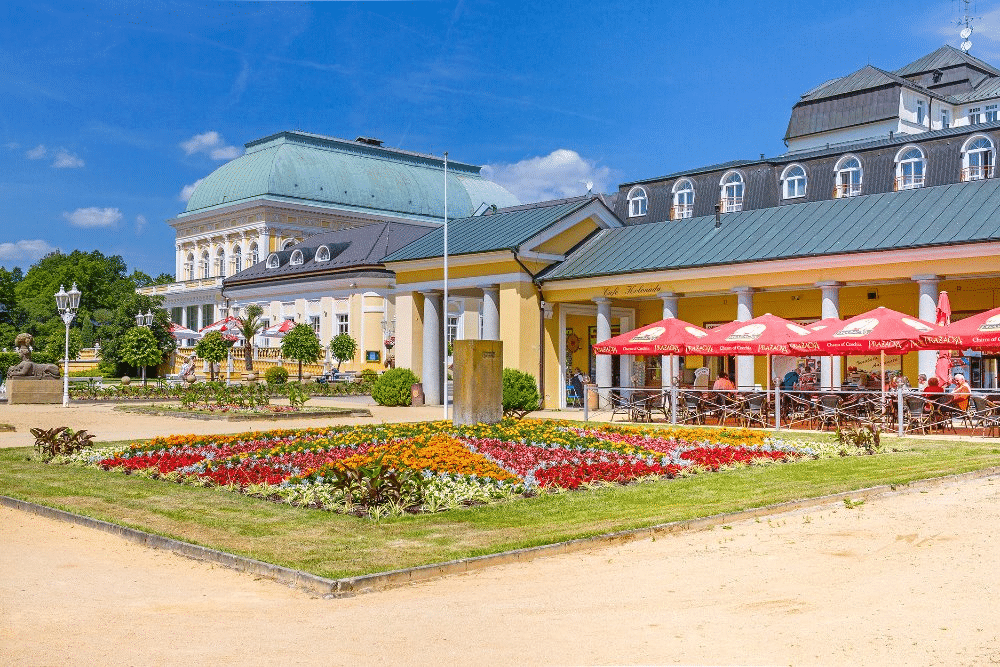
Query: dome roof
(337, 173)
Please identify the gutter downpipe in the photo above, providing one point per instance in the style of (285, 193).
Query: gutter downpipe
(541, 325)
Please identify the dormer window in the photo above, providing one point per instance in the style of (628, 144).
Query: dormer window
(945, 119)
(991, 113)
(637, 201)
(921, 112)
(296, 259)
(732, 192)
(977, 159)
(793, 182)
(849, 175)
(683, 200)
(323, 254)
(910, 167)
(272, 261)
(288, 244)
(975, 115)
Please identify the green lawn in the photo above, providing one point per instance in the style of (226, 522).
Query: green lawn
(334, 545)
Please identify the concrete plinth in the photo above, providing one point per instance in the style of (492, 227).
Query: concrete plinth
(25, 391)
(478, 382)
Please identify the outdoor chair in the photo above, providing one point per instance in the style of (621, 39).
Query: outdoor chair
(690, 405)
(943, 412)
(828, 411)
(982, 413)
(620, 405)
(918, 414)
(574, 393)
(754, 411)
(800, 410)
(658, 401)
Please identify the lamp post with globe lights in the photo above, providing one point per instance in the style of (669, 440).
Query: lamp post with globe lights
(144, 321)
(67, 303)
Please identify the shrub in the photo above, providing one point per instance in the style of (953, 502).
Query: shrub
(520, 393)
(368, 377)
(393, 387)
(276, 375)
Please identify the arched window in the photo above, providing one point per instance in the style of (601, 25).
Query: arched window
(189, 267)
(272, 261)
(288, 244)
(732, 192)
(793, 182)
(220, 263)
(683, 200)
(296, 259)
(206, 265)
(323, 254)
(637, 202)
(910, 166)
(849, 175)
(977, 159)
(254, 254)
(237, 258)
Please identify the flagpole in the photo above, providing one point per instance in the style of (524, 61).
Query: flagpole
(444, 384)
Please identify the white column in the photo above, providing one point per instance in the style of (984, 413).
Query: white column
(927, 359)
(744, 312)
(830, 371)
(603, 361)
(669, 370)
(491, 313)
(432, 349)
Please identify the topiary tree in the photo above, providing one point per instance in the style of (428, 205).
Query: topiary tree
(139, 347)
(301, 344)
(213, 348)
(520, 393)
(249, 326)
(393, 387)
(343, 348)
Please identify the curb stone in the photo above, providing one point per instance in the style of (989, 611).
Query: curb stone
(369, 583)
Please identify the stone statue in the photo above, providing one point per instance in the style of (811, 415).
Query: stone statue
(28, 369)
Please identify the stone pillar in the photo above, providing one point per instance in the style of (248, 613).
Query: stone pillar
(491, 312)
(744, 312)
(927, 311)
(669, 370)
(432, 368)
(830, 369)
(603, 361)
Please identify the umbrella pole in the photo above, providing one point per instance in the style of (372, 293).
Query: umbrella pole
(882, 381)
(673, 392)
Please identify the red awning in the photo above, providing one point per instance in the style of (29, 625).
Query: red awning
(760, 336)
(878, 330)
(978, 332)
(669, 336)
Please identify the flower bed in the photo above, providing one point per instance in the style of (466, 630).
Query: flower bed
(433, 465)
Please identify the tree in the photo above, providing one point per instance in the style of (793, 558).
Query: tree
(249, 326)
(139, 347)
(343, 348)
(302, 344)
(111, 332)
(213, 348)
(56, 349)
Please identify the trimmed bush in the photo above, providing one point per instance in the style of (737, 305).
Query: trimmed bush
(520, 393)
(393, 387)
(276, 375)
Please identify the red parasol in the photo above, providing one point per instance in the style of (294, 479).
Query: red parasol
(764, 335)
(222, 325)
(943, 367)
(878, 330)
(979, 332)
(278, 330)
(182, 332)
(669, 336)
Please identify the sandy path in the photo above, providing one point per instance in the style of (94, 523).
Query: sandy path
(909, 578)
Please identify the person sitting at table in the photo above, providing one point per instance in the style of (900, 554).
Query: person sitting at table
(921, 382)
(960, 394)
(723, 383)
(933, 387)
(790, 380)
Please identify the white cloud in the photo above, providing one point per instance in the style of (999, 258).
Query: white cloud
(25, 252)
(212, 144)
(140, 223)
(38, 152)
(188, 190)
(561, 173)
(66, 160)
(93, 217)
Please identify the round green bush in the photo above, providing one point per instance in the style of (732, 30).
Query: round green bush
(276, 375)
(393, 387)
(520, 392)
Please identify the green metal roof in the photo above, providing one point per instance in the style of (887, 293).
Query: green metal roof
(324, 171)
(946, 56)
(504, 230)
(943, 215)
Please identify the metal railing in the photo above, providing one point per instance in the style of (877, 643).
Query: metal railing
(681, 211)
(977, 172)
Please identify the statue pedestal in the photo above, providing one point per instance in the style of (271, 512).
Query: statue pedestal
(23, 390)
(478, 382)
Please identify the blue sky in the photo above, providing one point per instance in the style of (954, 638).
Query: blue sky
(113, 110)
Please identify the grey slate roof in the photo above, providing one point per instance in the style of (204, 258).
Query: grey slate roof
(353, 248)
(866, 78)
(944, 215)
(505, 229)
(944, 57)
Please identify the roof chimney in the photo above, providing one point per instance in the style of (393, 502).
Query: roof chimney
(718, 215)
(371, 141)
